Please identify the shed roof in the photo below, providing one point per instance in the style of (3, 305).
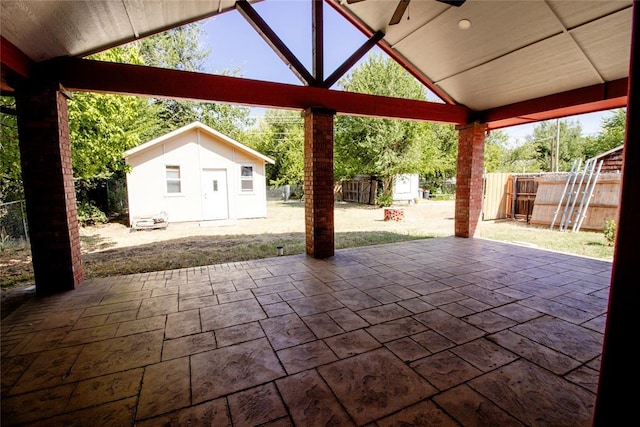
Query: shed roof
(202, 127)
(619, 148)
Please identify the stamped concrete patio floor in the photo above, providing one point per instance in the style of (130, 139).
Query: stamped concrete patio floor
(443, 331)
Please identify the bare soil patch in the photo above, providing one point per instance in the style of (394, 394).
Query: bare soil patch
(433, 218)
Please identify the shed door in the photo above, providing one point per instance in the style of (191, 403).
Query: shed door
(215, 203)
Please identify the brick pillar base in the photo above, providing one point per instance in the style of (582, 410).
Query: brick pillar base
(469, 179)
(318, 182)
(45, 152)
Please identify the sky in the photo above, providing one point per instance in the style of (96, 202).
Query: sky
(235, 45)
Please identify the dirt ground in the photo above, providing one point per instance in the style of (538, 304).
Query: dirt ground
(116, 247)
(428, 217)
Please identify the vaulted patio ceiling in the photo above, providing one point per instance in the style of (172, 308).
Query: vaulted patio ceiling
(519, 61)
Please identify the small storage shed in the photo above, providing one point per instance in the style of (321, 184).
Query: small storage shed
(195, 173)
(406, 187)
(611, 160)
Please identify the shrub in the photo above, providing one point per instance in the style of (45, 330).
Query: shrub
(89, 214)
(384, 200)
(610, 231)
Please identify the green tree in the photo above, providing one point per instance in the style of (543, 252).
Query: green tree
(10, 170)
(380, 147)
(182, 49)
(496, 152)
(544, 140)
(101, 128)
(522, 158)
(439, 155)
(610, 136)
(280, 135)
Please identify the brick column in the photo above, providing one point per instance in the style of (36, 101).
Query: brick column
(45, 152)
(469, 178)
(318, 182)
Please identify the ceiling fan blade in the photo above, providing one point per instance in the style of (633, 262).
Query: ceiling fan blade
(397, 15)
(353, 1)
(456, 3)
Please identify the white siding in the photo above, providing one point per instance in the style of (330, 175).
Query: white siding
(193, 151)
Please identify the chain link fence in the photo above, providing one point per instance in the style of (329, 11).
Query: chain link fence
(285, 192)
(13, 223)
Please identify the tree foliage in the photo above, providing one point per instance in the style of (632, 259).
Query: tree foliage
(544, 139)
(380, 147)
(280, 135)
(440, 150)
(182, 49)
(10, 175)
(103, 126)
(535, 153)
(610, 136)
(496, 152)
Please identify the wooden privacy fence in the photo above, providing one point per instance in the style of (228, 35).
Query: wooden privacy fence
(496, 196)
(508, 195)
(603, 204)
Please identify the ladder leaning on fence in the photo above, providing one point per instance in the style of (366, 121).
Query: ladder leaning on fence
(579, 185)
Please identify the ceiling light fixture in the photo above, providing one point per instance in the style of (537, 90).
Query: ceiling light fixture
(464, 24)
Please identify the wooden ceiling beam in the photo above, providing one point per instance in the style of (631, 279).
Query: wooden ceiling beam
(109, 77)
(14, 59)
(588, 99)
(317, 28)
(351, 61)
(272, 39)
(404, 62)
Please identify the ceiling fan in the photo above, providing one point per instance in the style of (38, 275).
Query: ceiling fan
(403, 4)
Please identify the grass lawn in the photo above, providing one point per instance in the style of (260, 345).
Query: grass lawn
(585, 243)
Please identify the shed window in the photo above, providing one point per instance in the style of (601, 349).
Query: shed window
(173, 179)
(246, 178)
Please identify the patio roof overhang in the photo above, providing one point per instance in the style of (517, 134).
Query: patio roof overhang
(584, 47)
(531, 60)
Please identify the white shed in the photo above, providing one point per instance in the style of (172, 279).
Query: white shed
(195, 173)
(406, 187)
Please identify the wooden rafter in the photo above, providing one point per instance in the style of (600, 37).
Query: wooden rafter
(355, 57)
(405, 63)
(317, 28)
(272, 39)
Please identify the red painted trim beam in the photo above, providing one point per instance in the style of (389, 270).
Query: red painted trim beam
(110, 77)
(578, 101)
(14, 59)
